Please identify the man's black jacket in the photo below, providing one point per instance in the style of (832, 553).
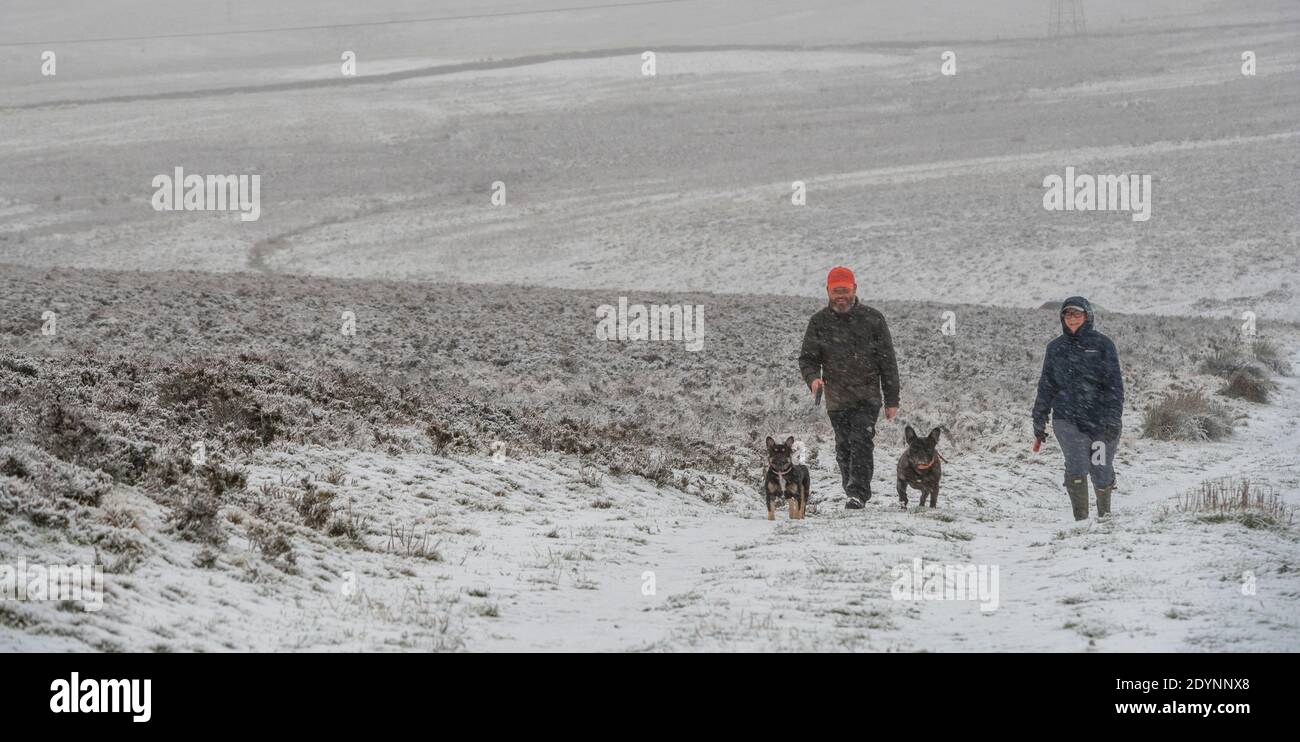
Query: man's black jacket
(854, 355)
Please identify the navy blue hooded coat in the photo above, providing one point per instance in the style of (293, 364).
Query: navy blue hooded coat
(1081, 379)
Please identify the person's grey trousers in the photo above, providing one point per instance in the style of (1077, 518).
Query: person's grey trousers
(1079, 454)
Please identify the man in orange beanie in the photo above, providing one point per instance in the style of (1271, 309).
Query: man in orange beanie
(848, 353)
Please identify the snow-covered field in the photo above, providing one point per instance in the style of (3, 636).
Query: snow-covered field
(682, 182)
(473, 471)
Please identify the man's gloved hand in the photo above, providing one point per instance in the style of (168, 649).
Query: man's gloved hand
(1039, 437)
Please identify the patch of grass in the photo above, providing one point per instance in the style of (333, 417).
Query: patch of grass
(1226, 500)
(653, 467)
(348, 524)
(272, 542)
(313, 505)
(1189, 416)
(336, 476)
(13, 617)
(12, 466)
(411, 542)
(18, 367)
(1266, 351)
(680, 600)
(1223, 359)
(1250, 383)
(205, 559)
(590, 475)
(198, 502)
(1091, 631)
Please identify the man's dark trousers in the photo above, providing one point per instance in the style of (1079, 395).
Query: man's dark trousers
(855, 430)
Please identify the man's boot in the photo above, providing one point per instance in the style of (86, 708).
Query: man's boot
(1078, 491)
(1103, 500)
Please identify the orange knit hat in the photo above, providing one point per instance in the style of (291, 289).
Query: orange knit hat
(840, 276)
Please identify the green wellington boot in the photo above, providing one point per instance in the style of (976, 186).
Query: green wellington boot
(1078, 490)
(1103, 500)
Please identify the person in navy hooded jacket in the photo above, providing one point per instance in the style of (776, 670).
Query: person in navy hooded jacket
(1082, 389)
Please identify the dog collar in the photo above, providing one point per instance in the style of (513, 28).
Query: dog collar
(933, 461)
(786, 470)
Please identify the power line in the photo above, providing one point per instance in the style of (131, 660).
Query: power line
(328, 26)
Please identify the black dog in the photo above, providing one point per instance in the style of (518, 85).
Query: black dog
(920, 467)
(784, 477)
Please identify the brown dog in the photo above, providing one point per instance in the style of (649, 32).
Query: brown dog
(784, 477)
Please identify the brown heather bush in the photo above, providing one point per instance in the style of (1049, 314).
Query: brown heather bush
(274, 541)
(197, 501)
(314, 505)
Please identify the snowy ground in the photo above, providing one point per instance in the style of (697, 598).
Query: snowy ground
(523, 554)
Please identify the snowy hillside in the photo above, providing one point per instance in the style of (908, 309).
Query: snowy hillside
(378, 517)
